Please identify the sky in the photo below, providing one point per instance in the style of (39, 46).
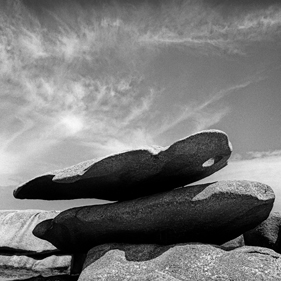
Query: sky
(85, 79)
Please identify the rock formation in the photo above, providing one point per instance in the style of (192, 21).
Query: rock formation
(16, 232)
(136, 173)
(160, 228)
(23, 267)
(267, 234)
(210, 213)
(180, 262)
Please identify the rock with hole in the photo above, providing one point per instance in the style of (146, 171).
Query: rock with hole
(135, 173)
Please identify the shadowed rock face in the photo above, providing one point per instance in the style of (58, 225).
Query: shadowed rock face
(136, 173)
(267, 234)
(180, 262)
(211, 213)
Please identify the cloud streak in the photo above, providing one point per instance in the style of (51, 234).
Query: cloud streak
(81, 73)
(201, 26)
(200, 111)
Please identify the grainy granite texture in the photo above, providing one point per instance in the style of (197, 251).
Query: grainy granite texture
(210, 213)
(136, 173)
(190, 262)
(267, 234)
(16, 231)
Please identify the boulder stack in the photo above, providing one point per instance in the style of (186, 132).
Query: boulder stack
(160, 228)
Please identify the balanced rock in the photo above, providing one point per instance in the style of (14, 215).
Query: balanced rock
(16, 231)
(135, 173)
(196, 262)
(209, 213)
(23, 267)
(267, 234)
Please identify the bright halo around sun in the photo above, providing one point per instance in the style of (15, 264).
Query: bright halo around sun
(72, 123)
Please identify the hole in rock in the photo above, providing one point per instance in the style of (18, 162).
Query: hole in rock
(209, 162)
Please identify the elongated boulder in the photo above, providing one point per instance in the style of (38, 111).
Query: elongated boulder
(267, 234)
(135, 173)
(196, 262)
(16, 231)
(210, 213)
(23, 267)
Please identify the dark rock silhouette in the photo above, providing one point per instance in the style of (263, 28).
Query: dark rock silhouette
(210, 213)
(136, 173)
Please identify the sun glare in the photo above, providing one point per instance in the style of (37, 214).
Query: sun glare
(73, 124)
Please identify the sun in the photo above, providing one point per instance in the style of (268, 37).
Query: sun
(72, 123)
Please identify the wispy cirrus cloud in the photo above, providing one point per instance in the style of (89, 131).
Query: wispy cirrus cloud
(264, 154)
(81, 73)
(203, 114)
(62, 85)
(205, 27)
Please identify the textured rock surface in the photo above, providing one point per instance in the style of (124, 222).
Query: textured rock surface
(23, 267)
(135, 173)
(16, 231)
(196, 262)
(267, 234)
(234, 243)
(51, 278)
(211, 213)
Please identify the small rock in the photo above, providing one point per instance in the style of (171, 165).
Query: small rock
(267, 234)
(196, 262)
(209, 213)
(234, 243)
(135, 173)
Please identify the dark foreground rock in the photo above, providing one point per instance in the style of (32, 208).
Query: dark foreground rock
(210, 213)
(267, 234)
(135, 173)
(16, 231)
(194, 262)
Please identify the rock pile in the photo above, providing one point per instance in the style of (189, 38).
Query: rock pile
(159, 228)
